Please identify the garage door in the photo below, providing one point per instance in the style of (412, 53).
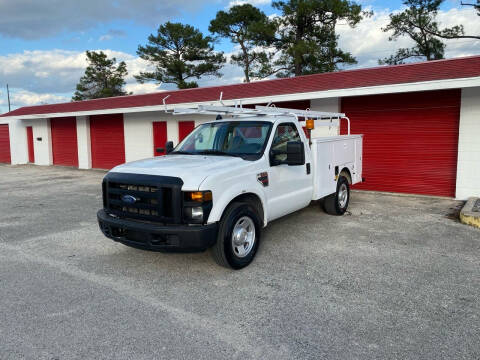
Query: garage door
(64, 141)
(410, 140)
(4, 144)
(108, 144)
(159, 137)
(30, 145)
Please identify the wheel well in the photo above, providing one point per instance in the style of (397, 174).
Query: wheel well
(345, 172)
(254, 200)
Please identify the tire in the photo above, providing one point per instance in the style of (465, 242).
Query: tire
(337, 204)
(238, 251)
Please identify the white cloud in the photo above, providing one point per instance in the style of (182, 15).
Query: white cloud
(251, 2)
(146, 88)
(55, 70)
(27, 98)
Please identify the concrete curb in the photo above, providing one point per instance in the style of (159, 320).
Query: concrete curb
(470, 213)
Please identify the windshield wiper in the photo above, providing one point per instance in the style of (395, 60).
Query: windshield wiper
(217, 152)
(182, 153)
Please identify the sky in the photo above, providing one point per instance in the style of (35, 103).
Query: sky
(43, 42)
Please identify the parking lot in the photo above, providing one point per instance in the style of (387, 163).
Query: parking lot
(395, 278)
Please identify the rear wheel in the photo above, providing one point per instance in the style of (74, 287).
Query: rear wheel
(238, 236)
(337, 203)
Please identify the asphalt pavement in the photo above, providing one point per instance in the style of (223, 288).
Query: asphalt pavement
(397, 277)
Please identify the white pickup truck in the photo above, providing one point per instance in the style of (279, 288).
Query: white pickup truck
(227, 180)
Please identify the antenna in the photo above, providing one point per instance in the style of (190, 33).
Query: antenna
(221, 96)
(8, 96)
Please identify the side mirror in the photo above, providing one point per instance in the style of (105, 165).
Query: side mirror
(295, 153)
(168, 147)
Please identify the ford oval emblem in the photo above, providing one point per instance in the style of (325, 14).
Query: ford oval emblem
(129, 199)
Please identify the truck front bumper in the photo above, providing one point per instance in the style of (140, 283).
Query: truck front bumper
(157, 238)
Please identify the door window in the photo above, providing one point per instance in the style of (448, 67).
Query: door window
(284, 134)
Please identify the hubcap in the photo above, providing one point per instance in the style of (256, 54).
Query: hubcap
(342, 196)
(243, 236)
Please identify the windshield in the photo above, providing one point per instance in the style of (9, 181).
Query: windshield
(235, 138)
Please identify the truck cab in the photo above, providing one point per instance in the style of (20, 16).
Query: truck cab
(225, 182)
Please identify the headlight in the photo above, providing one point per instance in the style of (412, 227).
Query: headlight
(196, 206)
(194, 213)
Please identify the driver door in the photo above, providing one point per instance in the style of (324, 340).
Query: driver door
(290, 187)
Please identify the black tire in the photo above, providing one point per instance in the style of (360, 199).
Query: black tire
(223, 251)
(332, 203)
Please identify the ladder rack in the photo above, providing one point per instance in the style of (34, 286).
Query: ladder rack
(262, 111)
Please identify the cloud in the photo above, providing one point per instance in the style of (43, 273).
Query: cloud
(29, 19)
(27, 98)
(146, 88)
(56, 71)
(42, 71)
(252, 2)
(112, 34)
(43, 76)
(368, 43)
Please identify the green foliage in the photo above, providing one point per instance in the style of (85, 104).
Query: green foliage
(250, 29)
(307, 40)
(102, 78)
(179, 53)
(418, 23)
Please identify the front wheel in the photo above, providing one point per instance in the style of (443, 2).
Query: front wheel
(337, 203)
(238, 236)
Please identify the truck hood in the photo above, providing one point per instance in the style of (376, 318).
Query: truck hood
(192, 169)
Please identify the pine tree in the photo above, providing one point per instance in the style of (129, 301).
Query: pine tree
(102, 78)
(250, 29)
(179, 53)
(418, 23)
(308, 43)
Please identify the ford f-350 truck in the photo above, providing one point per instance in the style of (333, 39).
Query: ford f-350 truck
(227, 180)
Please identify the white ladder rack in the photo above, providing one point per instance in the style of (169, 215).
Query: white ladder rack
(264, 111)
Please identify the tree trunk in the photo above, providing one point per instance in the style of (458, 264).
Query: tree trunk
(246, 62)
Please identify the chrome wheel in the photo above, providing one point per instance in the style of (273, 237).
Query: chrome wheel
(342, 196)
(243, 236)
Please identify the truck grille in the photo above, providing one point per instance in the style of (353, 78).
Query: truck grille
(143, 197)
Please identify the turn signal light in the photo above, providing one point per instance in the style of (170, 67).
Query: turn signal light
(310, 124)
(199, 196)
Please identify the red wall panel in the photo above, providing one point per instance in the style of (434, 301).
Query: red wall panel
(4, 144)
(64, 141)
(107, 140)
(185, 128)
(410, 140)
